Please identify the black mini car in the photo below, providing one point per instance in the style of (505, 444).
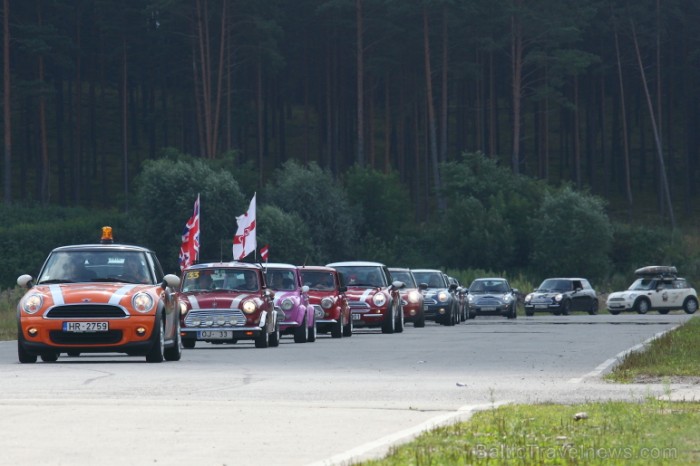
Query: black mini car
(562, 296)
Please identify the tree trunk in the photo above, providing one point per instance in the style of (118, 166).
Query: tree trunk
(360, 86)
(625, 137)
(125, 124)
(431, 111)
(43, 140)
(443, 110)
(7, 101)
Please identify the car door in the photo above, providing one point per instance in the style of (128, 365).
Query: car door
(578, 296)
(675, 293)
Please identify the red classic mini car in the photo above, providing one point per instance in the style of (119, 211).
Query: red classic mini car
(374, 299)
(327, 296)
(99, 298)
(291, 301)
(225, 302)
(411, 296)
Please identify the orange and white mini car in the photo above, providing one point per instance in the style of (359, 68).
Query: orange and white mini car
(99, 298)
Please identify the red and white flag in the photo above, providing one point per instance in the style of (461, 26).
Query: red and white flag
(264, 253)
(244, 241)
(189, 251)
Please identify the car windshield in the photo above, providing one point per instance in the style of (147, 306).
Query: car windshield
(552, 284)
(96, 266)
(220, 279)
(643, 284)
(280, 279)
(433, 279)
(365, 275)
(316, 280)
(488, 286)
(404, 276)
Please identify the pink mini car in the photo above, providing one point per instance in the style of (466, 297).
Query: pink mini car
(291, 302)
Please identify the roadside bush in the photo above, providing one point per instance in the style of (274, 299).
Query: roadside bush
(572, 236)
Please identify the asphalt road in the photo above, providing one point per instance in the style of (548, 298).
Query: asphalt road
(319, 403)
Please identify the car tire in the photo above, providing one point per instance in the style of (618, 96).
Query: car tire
(189, 343)
(565, 307)
(513, 313)
(641, 306)
(301, 333)
(337, 328)
(348, 329)
(529, 313)
(156, 353)
(400, 322)
(312, 333)
(690, 305)
(49, 357)
(174, 352)
(420, 321)
(594, 307)
(613, 312)
(262, 340)
(273, 339)
(389, 324)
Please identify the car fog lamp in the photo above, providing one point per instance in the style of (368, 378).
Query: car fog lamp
(379, 299)
(142, 302)
(287, 304)
(318, 313)
(140, 331)
(443, 296)
(326, 303)
(32, 304)
(208, 322)
(413, 312)
(220, 321)
(249, 307)
(232, 321)
(441, 310)
(195, 322)
(32, 331)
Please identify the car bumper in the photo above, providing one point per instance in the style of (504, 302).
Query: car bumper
(210, 333)
(501, 309)
(413, 311)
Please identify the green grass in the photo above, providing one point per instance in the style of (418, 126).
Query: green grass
(614, 433)
(8, 312)
(674, 354)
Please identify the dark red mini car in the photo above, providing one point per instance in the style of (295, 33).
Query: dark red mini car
(411, 296)
(374, 299)
(327, 296)
(225, 302)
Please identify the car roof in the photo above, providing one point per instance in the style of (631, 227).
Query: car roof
(317, 268)
(278, 265)
(490, 279)
(565, 278)
(101, 247)
(427, 270)
(356, 264)
(234, 264)
(399, 269)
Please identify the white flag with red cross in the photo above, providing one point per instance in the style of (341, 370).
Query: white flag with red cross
(244, 241)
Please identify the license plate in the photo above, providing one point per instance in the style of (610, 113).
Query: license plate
(85, 327)
(541, 306)
(215, 334)
(488, 308)
(356, 316)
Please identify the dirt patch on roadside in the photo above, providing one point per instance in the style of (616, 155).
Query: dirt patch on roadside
(675, 379)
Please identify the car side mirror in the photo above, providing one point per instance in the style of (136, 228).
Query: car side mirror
(172, 281)
(515, 291)
(453, 287)
(397, 285)
(269, 293)
(24, 281)
(422, 286)
(305, 289)
(343, 289)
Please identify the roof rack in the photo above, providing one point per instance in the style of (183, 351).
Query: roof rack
(656, 271)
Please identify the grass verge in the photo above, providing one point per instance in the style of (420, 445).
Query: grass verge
(612, 433)
(674, 354)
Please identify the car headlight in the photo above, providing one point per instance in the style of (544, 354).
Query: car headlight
(326, 303)
(183, 308)
(287, 304)
(470, 298)
(558, 297)
(142, 302)
(443, 296)
(249, 307)
(507, 298)
(379, 299)
(33, 303)
(413, 297)
(528, 298)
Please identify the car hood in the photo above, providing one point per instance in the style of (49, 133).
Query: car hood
(222, 300)
(282, 295)
(620, 294)
(361, 293)
(91, 293)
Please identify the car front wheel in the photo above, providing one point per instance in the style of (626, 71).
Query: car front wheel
(156, 353)
(641, 306)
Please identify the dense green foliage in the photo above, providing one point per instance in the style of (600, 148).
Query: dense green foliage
(495, 222)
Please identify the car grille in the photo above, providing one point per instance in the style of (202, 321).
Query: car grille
(358, 305)
(616, 299)
(214, 314)
(86, 311)
(429, 301)
(488, 302)
(98, 338)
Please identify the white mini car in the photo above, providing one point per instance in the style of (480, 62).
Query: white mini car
(657, 288)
